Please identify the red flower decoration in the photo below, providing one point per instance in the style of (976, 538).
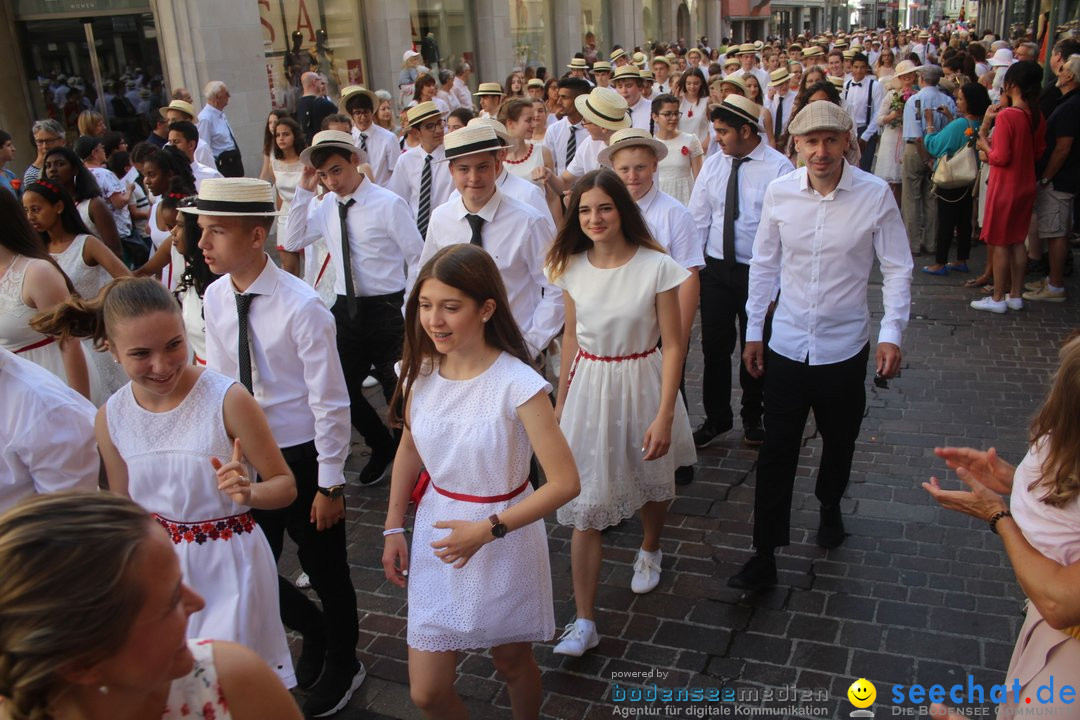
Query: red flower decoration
(16, 183)
(208, 711)
(690, 112)
(685, 150)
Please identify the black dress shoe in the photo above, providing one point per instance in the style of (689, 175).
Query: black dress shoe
(684, 475)
(759, 573)
(377, 468)
(830, 531)
(708, 431)
(753, 434)
(309, 665)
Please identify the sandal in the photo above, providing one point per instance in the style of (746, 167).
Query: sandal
(977, 282)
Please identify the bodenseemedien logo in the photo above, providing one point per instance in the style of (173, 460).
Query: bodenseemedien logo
(862, 694)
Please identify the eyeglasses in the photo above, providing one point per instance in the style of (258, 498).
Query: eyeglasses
(432, 126)
(361, 111)
(670, 114)
(45, 142)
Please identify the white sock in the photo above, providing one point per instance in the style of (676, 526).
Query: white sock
(589, 625)
(654, 555)
(1053, 288)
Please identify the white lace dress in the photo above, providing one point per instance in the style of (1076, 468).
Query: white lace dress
(695, 117)
(106, 374)
(524, 167)
(890, 149)
(223, 554)
(198, 695)
(16, 334)
(471, 441)
(614, 392)
(676, 177)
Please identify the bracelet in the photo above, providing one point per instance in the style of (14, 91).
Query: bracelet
(997, 516)
(393, 531)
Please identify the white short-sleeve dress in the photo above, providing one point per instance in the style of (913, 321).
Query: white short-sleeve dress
(614, 391)
(676, 175)
(472, 443)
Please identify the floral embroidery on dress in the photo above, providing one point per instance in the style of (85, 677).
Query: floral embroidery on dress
(200, 532)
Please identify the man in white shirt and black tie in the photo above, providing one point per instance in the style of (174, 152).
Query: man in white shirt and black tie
(862, 99)
(419, 178)
(726, 206)
(781, 100)
(661, 68)
(514, 234)
(271, 331)
(565, 136)
(371, 236)
(629, 84)
(819, 348)
(380, 145)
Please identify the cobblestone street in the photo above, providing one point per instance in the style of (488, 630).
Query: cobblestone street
(916, 594)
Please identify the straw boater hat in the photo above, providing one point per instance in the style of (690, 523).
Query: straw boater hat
(746, 49)
(661, 59)
(616, 54)
(848, 54)
(647, 75)
(838, 82)
(627, 72)
(328, 139)
(351, 91)
(779, 76)
(732, 62)
(840, 45)
(742, 107)
(498, 127)
(694, 51)
(820, 115)
(735, 80)
(905, 67)
(470, 140)
(236, 197)
(535, 82)
(758, 45)
(184, 107)
(639, 59)
(603, 107)
(629, 138)
(421, 112)
(794, 47)
(578, 64)
(488, 88)
(812, 52)
(924, 35)
(601, 66)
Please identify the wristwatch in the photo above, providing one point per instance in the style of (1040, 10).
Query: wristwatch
(332, 492)
(498, 530)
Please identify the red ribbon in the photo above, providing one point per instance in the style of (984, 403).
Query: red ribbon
(424, 480)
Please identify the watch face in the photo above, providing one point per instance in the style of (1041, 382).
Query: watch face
(498, 530)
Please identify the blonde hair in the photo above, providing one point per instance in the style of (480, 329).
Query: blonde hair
(88, 121)
(67, 594)
(121, 299)
(1058, 425)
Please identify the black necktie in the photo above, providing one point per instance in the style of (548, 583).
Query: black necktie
(424, 211)
(571, 146)
(363, 142)
(476, 223)
(243, 347)
(346, 257)
(731, 210)
(779, 129)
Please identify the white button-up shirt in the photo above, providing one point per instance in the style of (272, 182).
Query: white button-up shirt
(203, 154)
(382, 151)
(587, 157)
(214, 128)
(201, 172)
(462, 93)
(558, 135)
(862, 102)
(522, 190)
(774, 103)
(641, 114)
(47, 437)
(407, 175)
(383, 239)
(518, 240)
(295, 370)
(821, 250)
(672, 225)
(710, 190)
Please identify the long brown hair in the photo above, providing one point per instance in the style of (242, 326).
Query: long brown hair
(121, 299)
(572, 240)
(19, 236)
(1058, 425)
(472, 271)
(50, 544)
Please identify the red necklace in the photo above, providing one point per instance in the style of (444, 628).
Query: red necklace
(527, 156)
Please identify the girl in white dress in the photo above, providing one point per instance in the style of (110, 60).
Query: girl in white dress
(87, 263)
(172, 441)
(63, 167)
(193, 283)
(286, 170)
(168, 176)
(474, 412)
(527, 158)
(694, 105)
(618, 395)
(30, 282)
(683, 162)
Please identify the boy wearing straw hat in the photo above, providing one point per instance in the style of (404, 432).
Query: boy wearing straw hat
(380, 144)
(629, 84)
(490, 97)
(603, 111)
(661, 68)
(602, 71)
(726, 205)
(371, 237)
(780, 102)
(818, 352)
(271, 331)
(182, 110)
(566, 134)
(419, 178)
(514, 234)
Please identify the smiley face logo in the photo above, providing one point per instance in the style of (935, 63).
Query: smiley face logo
(862, 693)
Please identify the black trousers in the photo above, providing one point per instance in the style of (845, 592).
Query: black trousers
(954, 213)
(837, 395)
(723, 304)
(230, 164)
(866, 160)
(369, 344)
(323, 556)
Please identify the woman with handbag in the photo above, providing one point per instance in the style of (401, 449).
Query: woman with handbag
(953, 145)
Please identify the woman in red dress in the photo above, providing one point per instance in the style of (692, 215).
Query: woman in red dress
(1019, 138)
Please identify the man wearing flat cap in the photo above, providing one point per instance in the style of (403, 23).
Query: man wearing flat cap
(821, 228)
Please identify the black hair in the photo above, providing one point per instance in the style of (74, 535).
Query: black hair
(299, 139)
(118, 162)
(5, 137)
(341, 118)
(320, 156)
(977, 98)
(578, 86)
(197, 273)
(359, 101)
(1026, 76)
(179, 190)
(143, 150)
(111, 141)
(721, 113)
(86, 187)
(86, 145)
(172, 161)
(658, 104)
(859, 57)
(185, 128)
(70, 219)
(463, 114)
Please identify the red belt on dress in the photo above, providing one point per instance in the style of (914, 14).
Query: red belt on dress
(425, 479)
(198, 360)
(604, 358)
(34, 346)
(204, 530)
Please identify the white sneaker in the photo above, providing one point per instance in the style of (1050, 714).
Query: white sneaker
(1045, 294)
(1014, 303)
(577, 637)
(646, 572)
(989, 304)
(370, 382)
